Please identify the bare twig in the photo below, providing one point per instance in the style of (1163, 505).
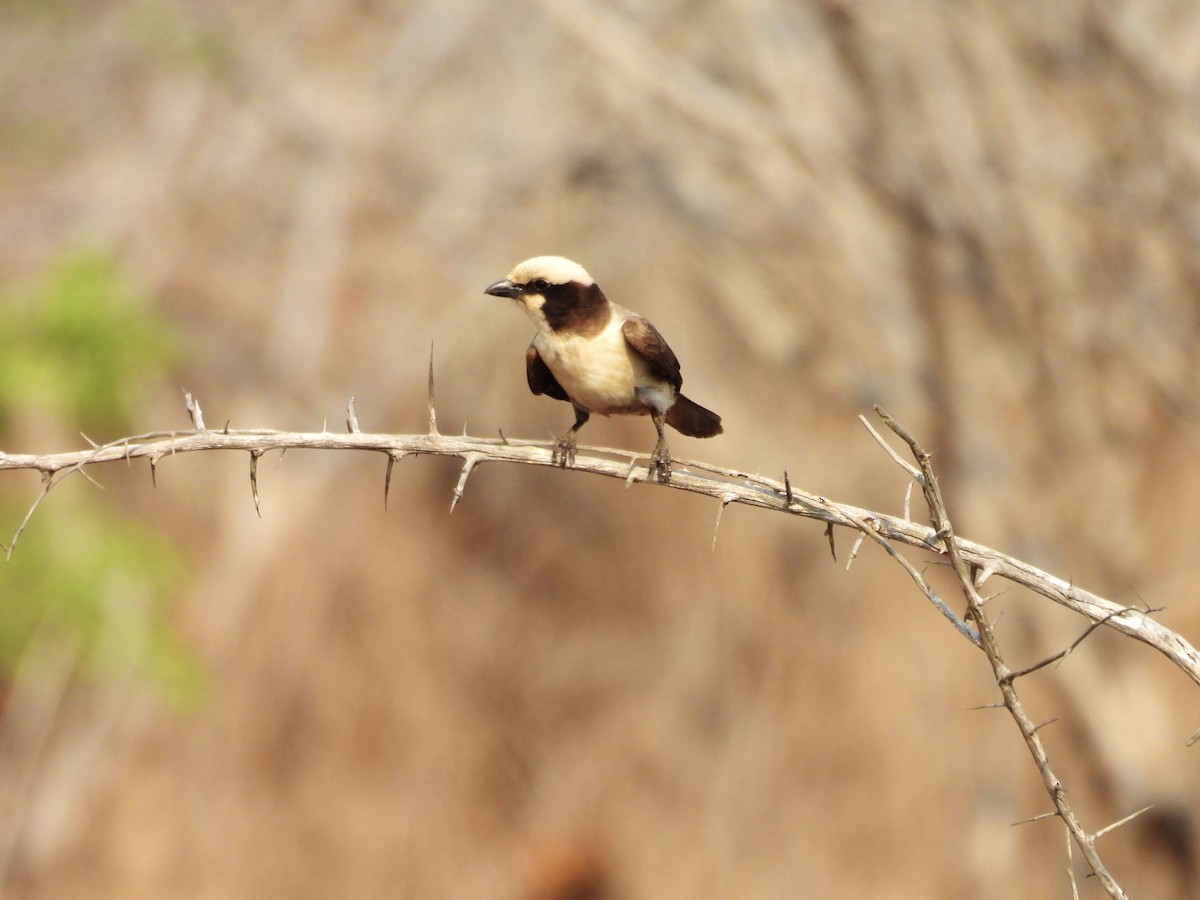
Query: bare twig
(48, 482)
(1004, 676)
(858, 542)
(867, 527)
(699, 477)
(908, 467)
(1040, 817)
(1061, 654)
(1117, 824)
(193, 407)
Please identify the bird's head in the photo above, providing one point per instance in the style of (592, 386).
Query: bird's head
(553, 290)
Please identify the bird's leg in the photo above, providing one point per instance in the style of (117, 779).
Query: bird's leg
(660, 459)
(564, 448)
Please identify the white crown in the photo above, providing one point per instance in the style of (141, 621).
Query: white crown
(555, 269)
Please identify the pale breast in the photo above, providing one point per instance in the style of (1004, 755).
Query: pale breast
(598, 373)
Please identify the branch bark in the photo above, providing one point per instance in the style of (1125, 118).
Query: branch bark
(1004, 675)
(972, 563)
(722, 484)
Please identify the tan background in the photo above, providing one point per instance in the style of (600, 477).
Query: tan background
(983, 216)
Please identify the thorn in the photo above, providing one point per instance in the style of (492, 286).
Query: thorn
(192, 405)
(1045, 815)
(787, 485)
(858, 542)
(469, 462)
(393, 455)
(1192, 740)
(1039, 727)
(226, 429)
(503, 439)
(829, 537)
(1142, 600)
(726, 499)
(433, 429)
(325, 425)
(95, 446)
(95, 483)
(154, 468)
(908, 502)
(1129, 818)
(997, 705)
(982, 575)
(631, 473)
(983, 601)
(387, 480)
(352, 418)
(254, 455)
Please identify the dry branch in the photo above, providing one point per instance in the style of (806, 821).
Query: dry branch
(1005, 676)
(722, 484)
(972, 563)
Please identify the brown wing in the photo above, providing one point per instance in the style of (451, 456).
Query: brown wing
(541, 379)
(644, 339)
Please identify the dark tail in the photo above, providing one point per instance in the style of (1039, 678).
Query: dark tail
(693, 419)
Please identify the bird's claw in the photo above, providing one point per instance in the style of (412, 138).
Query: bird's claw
(660, 464)
(563, 453)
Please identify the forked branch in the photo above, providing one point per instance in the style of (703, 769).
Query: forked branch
(1006, 677)
(722, 484)
(972, 563)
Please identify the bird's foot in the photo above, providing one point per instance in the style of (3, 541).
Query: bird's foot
(660, 463)
(564, 450)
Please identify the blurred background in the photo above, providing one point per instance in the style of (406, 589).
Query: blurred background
(982, 216)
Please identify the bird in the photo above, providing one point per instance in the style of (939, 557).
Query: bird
(599, 357)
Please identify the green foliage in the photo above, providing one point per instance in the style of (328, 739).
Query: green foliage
(100, 582)
(81, 347)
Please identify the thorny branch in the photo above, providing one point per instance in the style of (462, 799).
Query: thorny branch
(972, 563)
(1005, 676)
(723, 484)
